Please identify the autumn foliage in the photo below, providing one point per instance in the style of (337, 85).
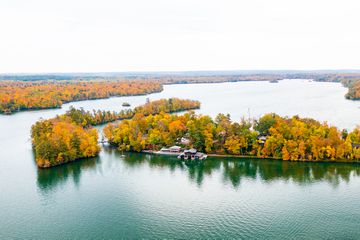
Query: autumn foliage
(86, 118)
(354, 90)
(272, 136)
(28, 95)
(60, 140)
(167, 106)
(69, 136)
(20, 95)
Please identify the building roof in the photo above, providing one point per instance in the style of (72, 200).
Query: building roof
(262, 138)
(191, 151)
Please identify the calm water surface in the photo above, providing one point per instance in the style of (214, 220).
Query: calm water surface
(144, 196)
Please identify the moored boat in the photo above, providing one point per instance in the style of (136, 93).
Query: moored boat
(174, 150)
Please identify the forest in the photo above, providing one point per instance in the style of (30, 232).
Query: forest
(271, 136)
(22, 95)
(70, 136)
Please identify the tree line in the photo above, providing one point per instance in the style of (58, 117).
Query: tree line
(22, 95)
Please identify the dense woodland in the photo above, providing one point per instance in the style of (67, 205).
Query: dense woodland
(60, 140)
(272, 136)
(70, 136)
(20, 95)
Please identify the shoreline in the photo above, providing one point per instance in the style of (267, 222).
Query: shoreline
(212, 155)
(216, 155)
(74, 101)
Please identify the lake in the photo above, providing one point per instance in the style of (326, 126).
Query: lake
(146, 196)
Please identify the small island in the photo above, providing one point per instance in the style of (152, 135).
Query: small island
(126, 104)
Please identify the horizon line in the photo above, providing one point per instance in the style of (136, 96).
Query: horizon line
(182, 71)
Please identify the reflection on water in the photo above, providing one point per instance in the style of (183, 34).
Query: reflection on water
(49, 179)
(298, 172)
(232, 170)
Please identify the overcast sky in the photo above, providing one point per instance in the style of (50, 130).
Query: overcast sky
(176, 35)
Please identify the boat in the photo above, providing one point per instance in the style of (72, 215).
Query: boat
(126, 104)
(192, 155)
(273, 81)
(174, 150)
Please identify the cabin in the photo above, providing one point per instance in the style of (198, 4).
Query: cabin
(185, 141)
(262, 139)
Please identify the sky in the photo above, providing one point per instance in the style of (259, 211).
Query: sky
(42, 36)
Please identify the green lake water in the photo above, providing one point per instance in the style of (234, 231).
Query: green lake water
(152, 197)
